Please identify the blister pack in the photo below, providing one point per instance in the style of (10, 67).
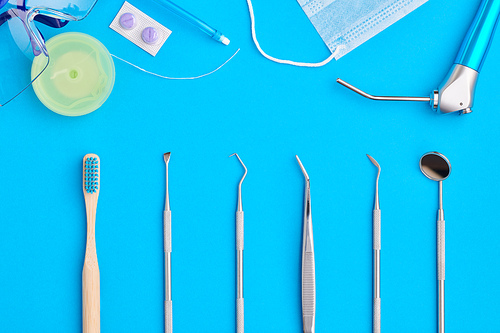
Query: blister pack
(140, 29)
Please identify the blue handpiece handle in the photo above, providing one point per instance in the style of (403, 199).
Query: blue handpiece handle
(478, 39)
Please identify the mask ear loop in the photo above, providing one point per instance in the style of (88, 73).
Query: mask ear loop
(281, 61)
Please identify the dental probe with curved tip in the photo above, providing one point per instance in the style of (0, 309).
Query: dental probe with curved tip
(376, 253)
(240, 318)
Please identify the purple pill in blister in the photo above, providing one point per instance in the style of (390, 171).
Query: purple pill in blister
(128, 21)
(150, 35)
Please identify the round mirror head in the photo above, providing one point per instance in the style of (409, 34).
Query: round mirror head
(435, 166)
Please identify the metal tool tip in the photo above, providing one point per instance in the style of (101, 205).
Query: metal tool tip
(373, 161)
(302, 167)
(166, 157)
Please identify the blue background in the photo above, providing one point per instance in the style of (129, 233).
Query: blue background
(267, 113)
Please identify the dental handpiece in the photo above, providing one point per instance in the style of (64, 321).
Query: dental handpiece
(167, 246)
(240, 317)
(456, 92)
(308, 269)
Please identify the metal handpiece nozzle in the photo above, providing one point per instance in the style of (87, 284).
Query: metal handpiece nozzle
(240, 318)
(455, 94)
(308, 269)
(383, 98)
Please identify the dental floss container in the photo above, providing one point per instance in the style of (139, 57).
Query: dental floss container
(80, 75)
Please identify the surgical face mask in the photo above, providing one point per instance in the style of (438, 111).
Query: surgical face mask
(345, 24)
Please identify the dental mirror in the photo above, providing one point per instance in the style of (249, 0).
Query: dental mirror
(436, 166)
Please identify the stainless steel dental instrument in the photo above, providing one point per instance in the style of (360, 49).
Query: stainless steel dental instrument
(308, 271)
(240, 318)
(167, 246)
(376, 253)
(436, 166)
(456, 92)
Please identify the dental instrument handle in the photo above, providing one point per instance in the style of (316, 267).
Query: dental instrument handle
(167, 246)
(441, 259)
(240, 318)
(478, 39)
(215, 34)
(240, 323)
(308, 282)
(441, 269)
(308, 269)
(376, 269)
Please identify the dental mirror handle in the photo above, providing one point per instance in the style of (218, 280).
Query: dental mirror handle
(376, 269)
(478, 39)
(441, 259)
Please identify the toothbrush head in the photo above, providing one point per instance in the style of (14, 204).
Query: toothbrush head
(91, 174)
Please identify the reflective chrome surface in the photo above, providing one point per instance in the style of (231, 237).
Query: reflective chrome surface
(308, 262)
(437, 167)
(383, 98)
(456, 93)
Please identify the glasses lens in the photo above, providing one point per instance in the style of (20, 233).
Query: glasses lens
(77, 9)
(16, 56)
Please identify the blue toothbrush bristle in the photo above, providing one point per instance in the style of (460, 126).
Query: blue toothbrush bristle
(91, 175)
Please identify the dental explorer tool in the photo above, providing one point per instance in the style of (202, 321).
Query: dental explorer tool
(215, 34)
(437, 167)
(308, 272)
(456, 92)
(376, 253)
(240, 317)
(167, 248)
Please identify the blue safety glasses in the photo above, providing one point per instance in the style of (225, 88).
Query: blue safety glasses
(22, 41)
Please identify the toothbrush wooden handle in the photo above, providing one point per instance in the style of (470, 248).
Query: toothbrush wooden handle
(91, 298)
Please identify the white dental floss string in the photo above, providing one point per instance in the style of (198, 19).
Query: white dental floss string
(176, 78)
(281, 61)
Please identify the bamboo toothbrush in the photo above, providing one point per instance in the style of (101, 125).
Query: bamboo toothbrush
(167, 248)
(90, 276)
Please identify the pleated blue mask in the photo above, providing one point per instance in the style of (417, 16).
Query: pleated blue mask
(345, 24)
